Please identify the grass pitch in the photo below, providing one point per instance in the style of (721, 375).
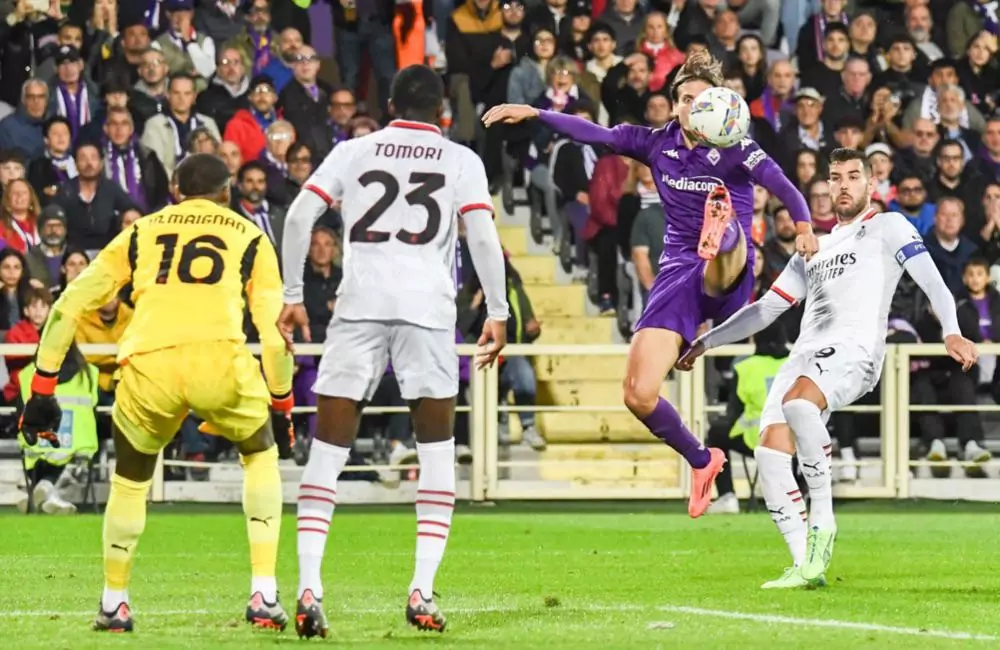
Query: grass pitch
(528, 576)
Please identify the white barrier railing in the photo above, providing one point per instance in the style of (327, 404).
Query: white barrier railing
(687, 391)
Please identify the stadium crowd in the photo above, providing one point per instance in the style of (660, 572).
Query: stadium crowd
(100, 99)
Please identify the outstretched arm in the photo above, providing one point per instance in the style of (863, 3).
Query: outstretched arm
(747, 321)
(921, 268)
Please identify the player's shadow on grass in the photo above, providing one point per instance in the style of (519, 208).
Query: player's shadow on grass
(972, 592)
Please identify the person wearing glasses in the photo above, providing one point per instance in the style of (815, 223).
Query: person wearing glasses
(305, 99)
(911, 202)
(23, 129)
(246, 128)
(227, 93)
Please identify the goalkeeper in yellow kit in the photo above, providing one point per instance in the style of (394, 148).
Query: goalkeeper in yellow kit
(192, 267)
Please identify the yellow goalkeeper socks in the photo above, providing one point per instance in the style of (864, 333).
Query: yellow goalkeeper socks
(262, 507)
(124, 521)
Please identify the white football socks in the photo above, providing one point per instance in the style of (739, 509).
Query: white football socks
(111, 599)
(435, 506)
(317, 500)
(814, 451)
(783, 499)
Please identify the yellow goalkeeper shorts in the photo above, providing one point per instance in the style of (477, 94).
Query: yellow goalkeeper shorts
(220, 381)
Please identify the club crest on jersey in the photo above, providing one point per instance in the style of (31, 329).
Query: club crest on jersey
(671, 153)
(861, 233)
(714, 156)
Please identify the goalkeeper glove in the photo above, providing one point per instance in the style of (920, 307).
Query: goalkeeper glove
(281, 422)
(42, 415)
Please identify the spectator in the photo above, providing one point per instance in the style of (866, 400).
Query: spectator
(978, 72)
(56, 166)
(951, 105)
(368, 26)
(12, 168)
(227, 93)
(990, 234)
(987, 162)
(474, 46)
(625, 89)
(71, 94)
(821, 205)
(186, 51)
(809, 48)
(761, 228)
(69, 34)
(305, 100)
(955, 179)
(222, 21)
(230, 153)
(118, 55)
(574, 38)
(624, 19)
(602, 58)
(880, 158)
(606, 186)
(361, 126)
(949, 248)
(765, 15)
(26, 31)
(920, 26)
(27, 330)
(253, 204)
(129, 217)
(902, 77)
(572, 166)
(722, 40)
(72, 264)
(919, 158)
(320, 281)
(279, 68)
(132, 166)
(166, 135)
(45, 259)
(23, 130)
(93, 204)
(201, 140)
(323, 136)
(738, 430)
(551, 16)
(863, 31)
(527, 80)
(659, 110)
(149, 98)
(647, 233)
(654, 40)
(780, 248)
(106, 325)
(911, 202)
(851, 97)
(14, 285)
(751, 65)
(966, 20)
(808, 166)
(980, 303)
(247, 127)
(54, 470)
(776, 103)
(806, 130)
(849, 132)
(19, 212)
(280, 137)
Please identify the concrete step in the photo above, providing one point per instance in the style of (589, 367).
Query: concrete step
(618, 426)
(536, 269)
(514, 239)
(567, 330)
(564, 368)
(551, 300)
(644, 462)
(597, 392)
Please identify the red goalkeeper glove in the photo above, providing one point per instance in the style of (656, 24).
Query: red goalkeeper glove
(42, 415)
(281, 422)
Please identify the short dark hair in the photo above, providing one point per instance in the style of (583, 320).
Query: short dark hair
(417, 93)
(296, 147)
(52, 121)
(947, 142)
(253, 165)
(977, 260)
(37, 294)
(843, 154)
(180, 77)
(201, 174)
(84, 144)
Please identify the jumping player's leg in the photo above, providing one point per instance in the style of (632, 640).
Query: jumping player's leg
(723, 272)
(652, 353)
(426, 366)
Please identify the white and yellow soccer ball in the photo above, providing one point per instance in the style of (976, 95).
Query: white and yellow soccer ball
(719, 117)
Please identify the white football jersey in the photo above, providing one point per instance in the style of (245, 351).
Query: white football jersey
(849, 283)
(401, 191)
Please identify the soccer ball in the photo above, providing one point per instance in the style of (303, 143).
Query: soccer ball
(719, 117)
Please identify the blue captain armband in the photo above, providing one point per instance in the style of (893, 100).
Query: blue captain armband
(911, 249)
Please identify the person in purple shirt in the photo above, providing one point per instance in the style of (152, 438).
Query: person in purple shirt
(706, 266)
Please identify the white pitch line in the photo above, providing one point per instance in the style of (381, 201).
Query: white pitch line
(819, 622)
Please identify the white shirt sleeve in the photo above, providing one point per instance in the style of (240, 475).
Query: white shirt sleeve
(203, 57)
(474, 205)
(907, 248)
(791, 284)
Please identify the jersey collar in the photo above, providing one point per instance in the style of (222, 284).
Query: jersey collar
(416, 126)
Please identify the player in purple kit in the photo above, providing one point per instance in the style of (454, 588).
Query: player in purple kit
(706, 266)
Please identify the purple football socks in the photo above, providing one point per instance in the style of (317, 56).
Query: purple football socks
(730, 237)
(665, 423)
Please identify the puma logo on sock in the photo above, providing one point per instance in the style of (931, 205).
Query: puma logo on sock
(266, 521)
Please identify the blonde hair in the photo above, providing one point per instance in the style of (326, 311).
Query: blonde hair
(699, 65)
(669, 40)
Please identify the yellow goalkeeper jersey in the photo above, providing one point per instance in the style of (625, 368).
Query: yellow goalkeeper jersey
(192, 268)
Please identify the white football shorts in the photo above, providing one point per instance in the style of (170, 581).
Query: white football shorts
(844, 372)
(424, 361)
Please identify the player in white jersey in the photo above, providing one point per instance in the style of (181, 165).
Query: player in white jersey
(848, 286)
(401, 191)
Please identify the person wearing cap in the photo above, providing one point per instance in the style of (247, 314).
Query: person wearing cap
(45, 259)
(248, 125)
(69, 34)
(806, 130)
(185, 49)
(71, 94)
(572, 40)
(879, 156)
(46, 173)
(228, 90)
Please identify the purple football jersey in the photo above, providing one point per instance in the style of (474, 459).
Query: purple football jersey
(684, 178)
